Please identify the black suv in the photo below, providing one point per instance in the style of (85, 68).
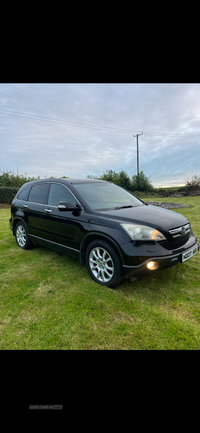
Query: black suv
(112, 231)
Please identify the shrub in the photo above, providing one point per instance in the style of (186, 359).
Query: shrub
(140, 182)
(193, 184)
(7, 194)
(13, 181)
(110, 176)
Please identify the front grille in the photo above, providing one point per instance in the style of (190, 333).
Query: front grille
(180, 230)
(175, 243)
(179, 237)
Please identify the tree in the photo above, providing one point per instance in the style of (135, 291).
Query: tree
(91, 176)
(193, 184)
(14, 181)
(124, 180)
(110, 176)
(140, 182)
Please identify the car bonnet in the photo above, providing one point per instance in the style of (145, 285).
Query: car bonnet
(147, 215)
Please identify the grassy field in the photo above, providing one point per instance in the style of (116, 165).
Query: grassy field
(169, 188)
(48, 301)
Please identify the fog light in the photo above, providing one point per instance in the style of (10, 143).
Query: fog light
(152, 266)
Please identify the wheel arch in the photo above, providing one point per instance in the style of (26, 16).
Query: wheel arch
(16, 220)
(92, 236)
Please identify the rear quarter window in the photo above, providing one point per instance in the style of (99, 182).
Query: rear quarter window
(24, 194)
(38, 193)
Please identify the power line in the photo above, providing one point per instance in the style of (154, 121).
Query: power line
(152, 134)
(50, 119)
(67, 105)
(167, 134)
(35, 103)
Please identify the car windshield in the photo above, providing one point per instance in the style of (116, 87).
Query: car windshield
(106, 196)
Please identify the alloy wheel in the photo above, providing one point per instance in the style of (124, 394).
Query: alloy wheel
(21, 236)
(101, 264)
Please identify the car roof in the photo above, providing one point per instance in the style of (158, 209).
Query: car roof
(77, 180)
(63, 180)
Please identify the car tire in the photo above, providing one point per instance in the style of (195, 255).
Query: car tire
(104, 264)
(22, 237)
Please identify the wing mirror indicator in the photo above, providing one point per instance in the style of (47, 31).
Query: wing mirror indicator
(67, 206)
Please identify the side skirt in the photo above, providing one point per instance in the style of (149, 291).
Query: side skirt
(55, 246)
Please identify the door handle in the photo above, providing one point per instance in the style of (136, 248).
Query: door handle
(48, 210)
(25, 205)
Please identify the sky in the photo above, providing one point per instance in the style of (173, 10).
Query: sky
(81, 129)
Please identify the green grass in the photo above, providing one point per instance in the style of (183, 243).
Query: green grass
(169, 188)
(49, 301)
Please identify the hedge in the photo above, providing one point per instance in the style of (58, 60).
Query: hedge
(7, 194)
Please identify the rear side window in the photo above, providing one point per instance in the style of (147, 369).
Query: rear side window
(24, 194)
(38, 193)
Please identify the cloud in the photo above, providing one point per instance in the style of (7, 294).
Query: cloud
(43, 146)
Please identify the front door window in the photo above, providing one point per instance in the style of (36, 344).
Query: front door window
(60, 193)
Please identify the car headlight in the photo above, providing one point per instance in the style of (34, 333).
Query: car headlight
(143, 233)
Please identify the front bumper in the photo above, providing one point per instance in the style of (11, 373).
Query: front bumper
(161, 261)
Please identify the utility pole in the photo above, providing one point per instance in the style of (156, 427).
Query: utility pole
(136, 135)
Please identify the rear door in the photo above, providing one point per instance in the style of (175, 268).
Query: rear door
(35, 208)
(63, 228)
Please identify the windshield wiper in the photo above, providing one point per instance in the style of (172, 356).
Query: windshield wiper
(122, 207)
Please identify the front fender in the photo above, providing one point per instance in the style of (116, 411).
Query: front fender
(89, 237)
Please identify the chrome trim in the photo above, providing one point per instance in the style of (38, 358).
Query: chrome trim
(183, 230)
(59, 183)
(61, 206)
(56, 183)
(56, 243)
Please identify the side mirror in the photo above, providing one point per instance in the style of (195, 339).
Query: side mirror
(65, 206)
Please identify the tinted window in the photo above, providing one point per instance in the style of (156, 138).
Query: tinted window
(38, 193)
(24, 194)
(60, 193)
